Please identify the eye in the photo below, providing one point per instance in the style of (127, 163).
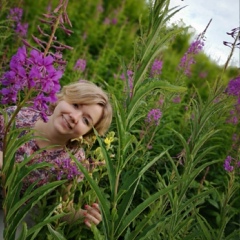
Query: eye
(86, 121)
(75, 105)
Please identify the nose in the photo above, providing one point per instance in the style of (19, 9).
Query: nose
(75, 116)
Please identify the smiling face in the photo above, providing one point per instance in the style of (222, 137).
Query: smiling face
(75, 120)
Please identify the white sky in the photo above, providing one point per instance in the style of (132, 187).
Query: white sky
(225, 16)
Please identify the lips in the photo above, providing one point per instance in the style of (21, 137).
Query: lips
(67, 123)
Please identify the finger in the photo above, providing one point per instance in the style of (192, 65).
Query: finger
(94, 211)
(96, 206)
(81, 213)
(92, 219)
(87, 223)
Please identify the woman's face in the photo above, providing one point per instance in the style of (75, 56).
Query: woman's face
(75, 120)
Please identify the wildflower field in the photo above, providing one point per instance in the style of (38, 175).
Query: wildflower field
(169, 166)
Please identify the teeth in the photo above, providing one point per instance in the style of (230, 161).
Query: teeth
(67, 123)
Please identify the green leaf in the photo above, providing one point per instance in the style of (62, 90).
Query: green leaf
(146, 231)
(55, 234)
(121, 126)
(205, 227)
(125, 204)
(16, 214)
(145, 89)
(23, 234)
(36, 228)
(141, 207)
(102, 199)
(109, 164)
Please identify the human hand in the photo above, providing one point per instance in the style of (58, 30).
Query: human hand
(92, 214)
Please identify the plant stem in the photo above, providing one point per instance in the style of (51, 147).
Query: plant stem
(4, 191)
(224, 210)
(55, 26)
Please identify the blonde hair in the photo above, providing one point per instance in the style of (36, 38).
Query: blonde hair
(87, 93)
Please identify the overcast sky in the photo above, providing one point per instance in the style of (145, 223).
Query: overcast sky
(225, 16)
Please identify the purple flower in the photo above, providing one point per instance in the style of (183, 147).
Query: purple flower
(130, 75)
(8, 95)
(188, 58)
(161, 100)
(234, 137)
(62, 169)
(156, 68)
(154, 116)
(233, 87)
(177, 99)
(114, 21)
(45, 63)
(22, 29)
(80, 65)
(100, 8)
(15, 14)
(227, 164)
(203, 74)
(36, 72)
(130, 79)
(19, 58)
(231, 164)
(69, 171)
(107, 21)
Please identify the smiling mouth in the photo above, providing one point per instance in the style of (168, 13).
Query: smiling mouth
(70, 127)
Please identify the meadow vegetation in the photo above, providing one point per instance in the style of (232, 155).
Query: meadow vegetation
(169, 166)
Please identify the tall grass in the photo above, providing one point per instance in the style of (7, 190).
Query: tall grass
(161, 180)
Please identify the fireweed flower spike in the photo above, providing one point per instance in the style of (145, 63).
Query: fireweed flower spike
(195, 47)
(15, 14)
(53, 21)
(176, 99)
(231, 164)
(130, 75)
(37, 73)
(22, 29)
(235, 35)
(188, 58)
(154, 116)
(130, 81)
(233, 87)
(80, 65)
(156, 68)
(34, 73)
(227, 164)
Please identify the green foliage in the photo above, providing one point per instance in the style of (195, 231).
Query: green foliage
(17, 205)
(161, 181)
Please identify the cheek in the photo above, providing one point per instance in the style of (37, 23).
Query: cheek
(82, 129)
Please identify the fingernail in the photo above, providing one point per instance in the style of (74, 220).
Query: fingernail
(86, 206)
